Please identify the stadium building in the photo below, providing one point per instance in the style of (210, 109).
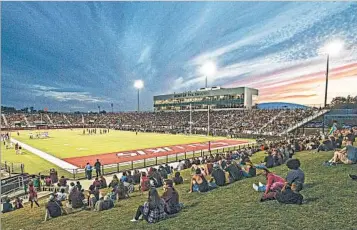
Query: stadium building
(215, 97)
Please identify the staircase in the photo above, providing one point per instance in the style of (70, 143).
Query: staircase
(27, 122)
(48, 117)
(306, 120)
(4, 120)
(64, 116)
(270, 121)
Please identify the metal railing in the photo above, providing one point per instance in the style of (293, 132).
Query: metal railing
(78, 174)
(13, 168)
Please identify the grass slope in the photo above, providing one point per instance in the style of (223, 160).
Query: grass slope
(329, 193)
(72, 143)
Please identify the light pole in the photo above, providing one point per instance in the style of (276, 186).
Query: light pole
(138, 84)
(331, 49)
(208, 70)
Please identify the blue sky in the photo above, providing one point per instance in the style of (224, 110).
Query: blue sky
(70, 56)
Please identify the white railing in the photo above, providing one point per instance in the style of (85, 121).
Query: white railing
(27, 122)
(48, 117)
(4, 119)
(64, 116)
(312, 117)
(270, 121)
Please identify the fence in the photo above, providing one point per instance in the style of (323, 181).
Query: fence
(13, 168)
(77, 174)
(13, 184)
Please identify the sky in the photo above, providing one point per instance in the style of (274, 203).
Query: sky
(74, 56)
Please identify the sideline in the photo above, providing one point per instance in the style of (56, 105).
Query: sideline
(54, 160)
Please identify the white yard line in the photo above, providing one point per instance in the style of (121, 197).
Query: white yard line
(54, 160)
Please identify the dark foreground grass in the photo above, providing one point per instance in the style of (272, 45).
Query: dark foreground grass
(330, 203)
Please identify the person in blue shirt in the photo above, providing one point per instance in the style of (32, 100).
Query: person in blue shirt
(88, 170)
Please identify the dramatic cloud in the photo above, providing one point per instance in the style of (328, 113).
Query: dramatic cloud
(77, 55)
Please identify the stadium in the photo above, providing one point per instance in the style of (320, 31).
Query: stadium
(273, 147)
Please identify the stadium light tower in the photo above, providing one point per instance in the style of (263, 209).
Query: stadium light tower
(208, 69)
(331, 49)
(139, 84)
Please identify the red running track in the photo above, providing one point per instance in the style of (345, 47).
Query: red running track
(140, 154)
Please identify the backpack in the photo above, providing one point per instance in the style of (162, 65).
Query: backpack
(289, 197)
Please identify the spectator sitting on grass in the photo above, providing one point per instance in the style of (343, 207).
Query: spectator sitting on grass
(94, 190)
(124, 177)
(61, 196)
(144, 182)
(153, 210)
(130, 177)
(269, 160)
(219, 175)
(71, 187)
(209, 167)
(171, 198)
(347, 155)
(96, 183)
(136, 176)
(122, 191)
(53, 208)
(103, 182)
(198, 182)
(7, 206)
(79, 186)
(325, 146)
(250, 170)
(76, 198)
(234, 171)
(274, 183)
(156, 177)
(163, 172)
(168, 169)
(114, 183)
(91, 202)
(63, 181)
(18, 203)
(105, 203)
(295, 175)
(178, 178)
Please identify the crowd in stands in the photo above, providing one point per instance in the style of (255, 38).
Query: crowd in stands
(222, 123)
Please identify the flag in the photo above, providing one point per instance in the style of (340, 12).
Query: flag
(45, 109)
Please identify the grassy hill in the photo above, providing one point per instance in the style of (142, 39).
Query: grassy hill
(330, 203)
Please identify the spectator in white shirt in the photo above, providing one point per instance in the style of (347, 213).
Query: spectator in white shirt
(61, 196)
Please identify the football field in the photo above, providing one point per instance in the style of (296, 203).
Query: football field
(116, 146)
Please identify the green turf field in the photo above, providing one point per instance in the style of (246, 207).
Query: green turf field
(329, 194)
(72, 143)
(33, 163)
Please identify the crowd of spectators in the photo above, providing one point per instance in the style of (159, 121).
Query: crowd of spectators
(208, 172)
(222, 122)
